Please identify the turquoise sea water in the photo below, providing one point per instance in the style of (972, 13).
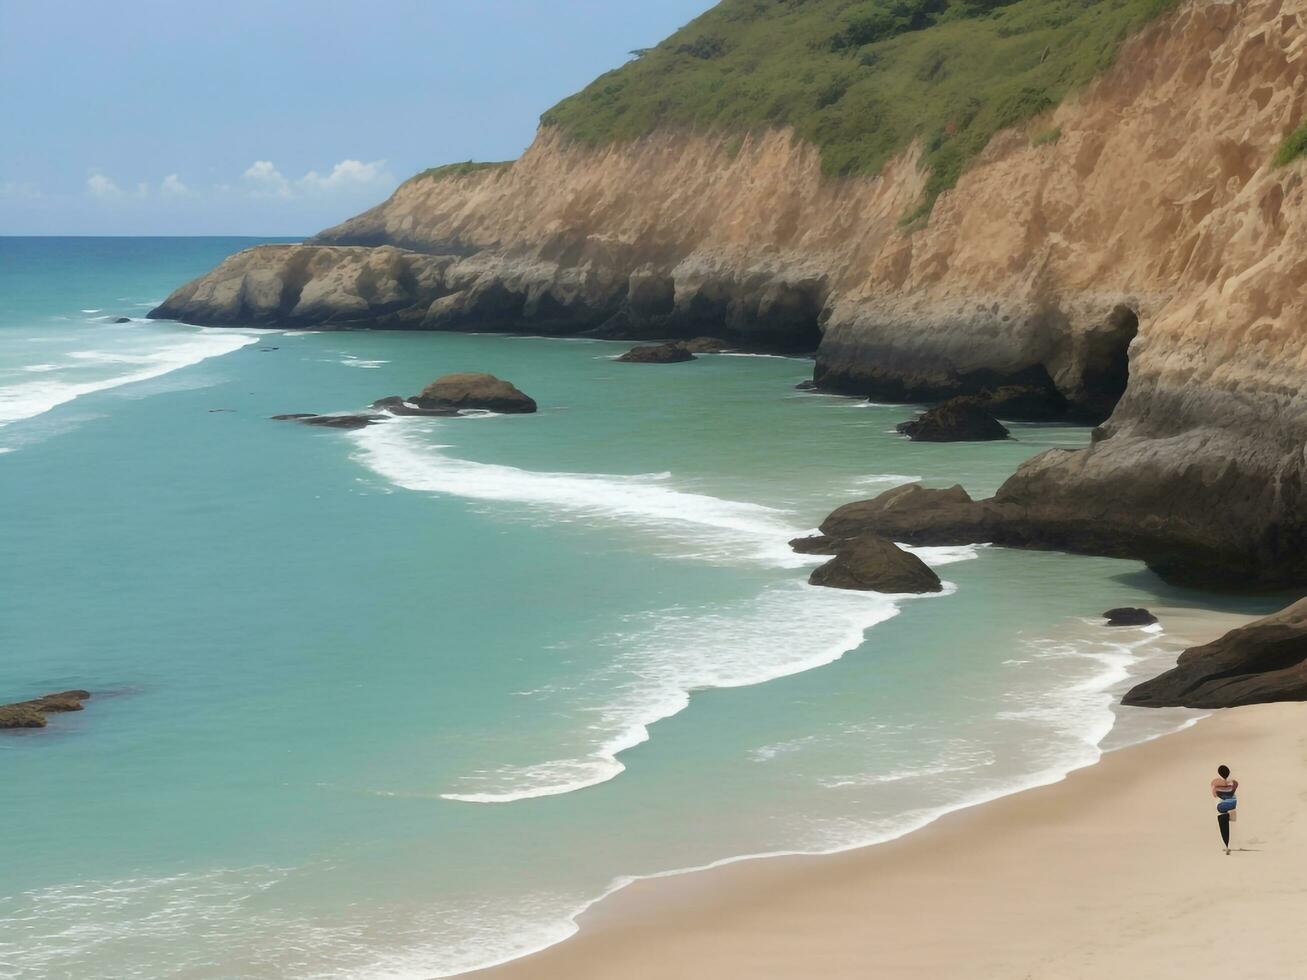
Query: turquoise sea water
(400, 702)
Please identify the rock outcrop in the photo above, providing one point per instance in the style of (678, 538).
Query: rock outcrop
(474, 390)
(873, 564)
(657, 354)
(31, 714)
(330, 421)
(1129, 616)
(1263, 661)
(1146, 267)
(956, 420)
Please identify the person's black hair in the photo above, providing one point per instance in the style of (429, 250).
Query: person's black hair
(1223, 772)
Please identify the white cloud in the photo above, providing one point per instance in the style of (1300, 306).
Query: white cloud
(172, 186)
(265, 180)
(98, 185)
(348, 175)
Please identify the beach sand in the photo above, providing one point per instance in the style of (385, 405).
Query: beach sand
(1116, 872)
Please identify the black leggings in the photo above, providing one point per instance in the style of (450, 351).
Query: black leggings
(1223, 821)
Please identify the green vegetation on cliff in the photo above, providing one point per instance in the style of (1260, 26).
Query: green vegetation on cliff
(459, 169)
(861, 78)
(1293, 147)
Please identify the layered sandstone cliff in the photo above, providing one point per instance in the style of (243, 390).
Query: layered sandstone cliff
(1150, 220)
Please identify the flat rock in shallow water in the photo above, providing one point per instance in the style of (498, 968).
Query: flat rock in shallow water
(396, 405)
(472, 389)
(330, 421)
(956, 420)
(1263, 661)
(657, 354)
(874, 564)
(1129, 616)
(31, 714)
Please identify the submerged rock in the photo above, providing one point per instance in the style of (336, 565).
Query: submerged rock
(1263, 661)
(657, 354)
(876, 564)
(120, 319)
(331, 421)
(396, 405)
(1129, 616)
(956, 420)
(31, 714)
(808, 385)
(474, 390)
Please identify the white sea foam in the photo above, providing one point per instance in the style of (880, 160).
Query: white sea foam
(357, 362)
(29, 398)
(886, 479)
(787, 629)
(704, 527)
(40, 368)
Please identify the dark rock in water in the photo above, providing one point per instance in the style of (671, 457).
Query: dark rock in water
(956, 420)
(915, 515)
(1024, 403)
(1263, 661)
(704, 345)
(808, 385)
(331, 421)
(269, 348)
(474, 390)
(31, 714)
(876, 564)
(20, 716)
(817, 544)
(121, 319)
(396, 405)
(214, 410)
(657, 354)
(1129, 616)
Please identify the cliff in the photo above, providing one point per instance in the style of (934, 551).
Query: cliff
(1136, 248)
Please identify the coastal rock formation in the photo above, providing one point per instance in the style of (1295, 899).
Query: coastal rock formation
(1263, 661)
(1137, 250)
(1129, 616)
(657, 354)
(1024, 403)
(873, 564)
(31, 714)
(330, 421)
(398, 405)
(705, 345)
(304, 285)
(956, 420)
(474, 390)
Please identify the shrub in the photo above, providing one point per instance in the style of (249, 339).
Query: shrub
(1294, 146)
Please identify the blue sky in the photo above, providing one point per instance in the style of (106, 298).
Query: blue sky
(277, 117)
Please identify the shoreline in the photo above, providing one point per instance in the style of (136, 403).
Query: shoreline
(755, 914)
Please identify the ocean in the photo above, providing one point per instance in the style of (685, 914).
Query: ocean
(401, 702)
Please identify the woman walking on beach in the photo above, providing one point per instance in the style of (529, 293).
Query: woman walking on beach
(1224, 788)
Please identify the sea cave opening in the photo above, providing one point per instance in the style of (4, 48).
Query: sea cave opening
(1107, 362)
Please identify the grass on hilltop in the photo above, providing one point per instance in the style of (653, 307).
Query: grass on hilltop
(861, 79)
(459, 169)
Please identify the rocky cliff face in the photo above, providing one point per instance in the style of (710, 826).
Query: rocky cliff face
(1144, 258)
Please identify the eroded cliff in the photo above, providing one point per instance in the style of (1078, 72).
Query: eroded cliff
(1136, 249)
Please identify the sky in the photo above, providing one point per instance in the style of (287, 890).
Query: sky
(279, 117)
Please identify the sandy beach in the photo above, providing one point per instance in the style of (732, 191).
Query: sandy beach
(1115, 872)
